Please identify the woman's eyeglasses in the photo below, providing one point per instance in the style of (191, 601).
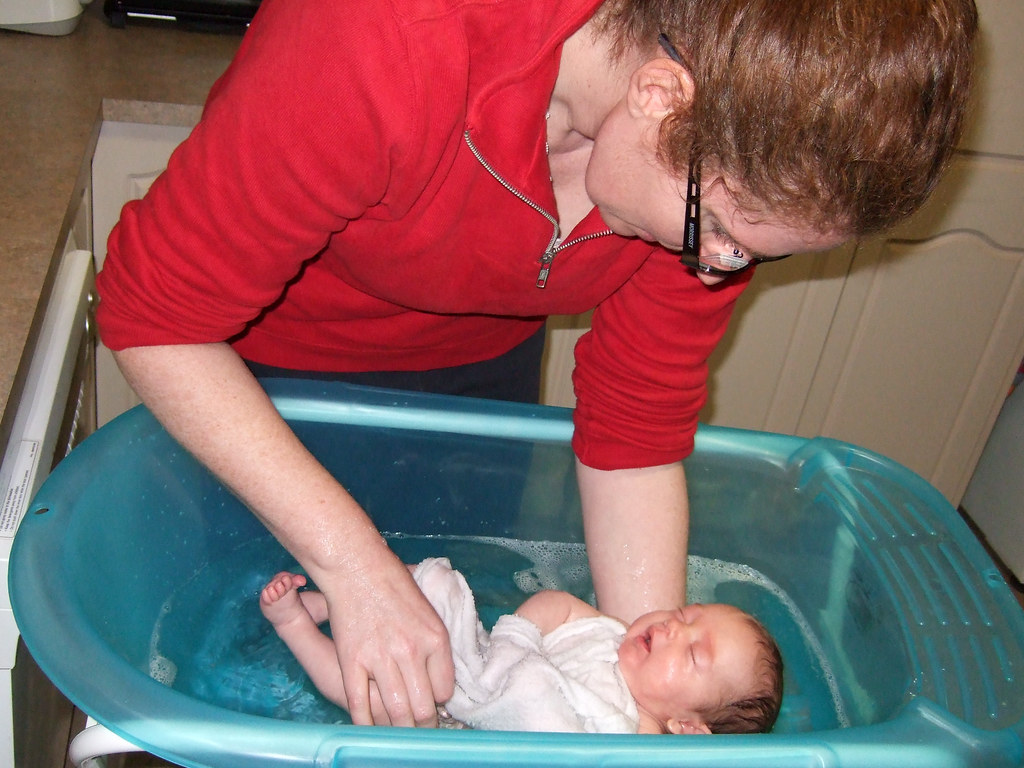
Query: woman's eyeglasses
(719, 258)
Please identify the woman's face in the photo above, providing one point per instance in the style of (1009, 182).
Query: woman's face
(638, 197)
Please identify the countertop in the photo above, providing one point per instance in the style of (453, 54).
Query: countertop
(53, 92)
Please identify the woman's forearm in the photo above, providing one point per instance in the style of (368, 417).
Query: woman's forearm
(209, 401)
(636, 523)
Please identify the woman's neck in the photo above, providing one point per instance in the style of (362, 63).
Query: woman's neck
(590, 83)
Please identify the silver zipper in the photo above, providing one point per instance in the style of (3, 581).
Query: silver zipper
(553, 245)
(548, 257)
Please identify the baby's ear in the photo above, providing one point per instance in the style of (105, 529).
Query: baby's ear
(689, 727)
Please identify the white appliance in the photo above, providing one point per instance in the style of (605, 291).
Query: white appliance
(41, 17)
(54, 411)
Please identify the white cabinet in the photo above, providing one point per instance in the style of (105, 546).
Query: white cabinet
(906, 344)
(929, 332)
(762, 371)
(556, 372)
(128, 158)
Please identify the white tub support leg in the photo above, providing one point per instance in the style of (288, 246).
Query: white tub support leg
(89, 747)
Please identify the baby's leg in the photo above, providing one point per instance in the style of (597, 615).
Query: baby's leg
(281, 601)
(294, 617)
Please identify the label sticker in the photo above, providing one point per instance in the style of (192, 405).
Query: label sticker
(20, 486)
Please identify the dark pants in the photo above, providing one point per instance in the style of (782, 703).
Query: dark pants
(513, 376)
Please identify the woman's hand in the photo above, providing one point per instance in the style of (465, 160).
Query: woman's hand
(392, 647)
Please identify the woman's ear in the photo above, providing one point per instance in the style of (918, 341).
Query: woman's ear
(657, 88)
(689, 727)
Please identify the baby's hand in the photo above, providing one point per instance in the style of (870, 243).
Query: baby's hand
(280, 600)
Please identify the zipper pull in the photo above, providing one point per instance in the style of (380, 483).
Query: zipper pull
(549, 256)
(545, 267)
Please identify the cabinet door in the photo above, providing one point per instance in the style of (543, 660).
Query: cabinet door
(563, 331)
(128, 158)
(999, 102)
(930, 329)
(761, 372)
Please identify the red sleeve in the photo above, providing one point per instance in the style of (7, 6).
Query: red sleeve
(303, 133)
(641, 372)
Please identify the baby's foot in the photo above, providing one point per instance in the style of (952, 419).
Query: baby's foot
(280, 601)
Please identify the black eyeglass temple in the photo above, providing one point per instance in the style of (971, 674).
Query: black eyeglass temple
(670, 49)
(691, 235)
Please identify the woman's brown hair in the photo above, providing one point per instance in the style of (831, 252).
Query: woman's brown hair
(839, 114)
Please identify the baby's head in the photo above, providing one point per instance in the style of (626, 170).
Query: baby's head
(703, 669)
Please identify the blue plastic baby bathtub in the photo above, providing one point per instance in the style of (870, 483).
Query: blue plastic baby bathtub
(135, 575)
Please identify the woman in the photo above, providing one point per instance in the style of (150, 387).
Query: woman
(411, 188)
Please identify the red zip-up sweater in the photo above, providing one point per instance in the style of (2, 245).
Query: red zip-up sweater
(368, 189)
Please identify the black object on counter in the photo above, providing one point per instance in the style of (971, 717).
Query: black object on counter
(204, 15)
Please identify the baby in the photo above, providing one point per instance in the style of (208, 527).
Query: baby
(558, 664)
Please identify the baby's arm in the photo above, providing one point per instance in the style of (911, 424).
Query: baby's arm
(550, 609)
(295, 617)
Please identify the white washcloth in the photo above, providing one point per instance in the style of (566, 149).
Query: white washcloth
(517, 680)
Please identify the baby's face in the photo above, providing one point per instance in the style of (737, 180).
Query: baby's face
(683, 663)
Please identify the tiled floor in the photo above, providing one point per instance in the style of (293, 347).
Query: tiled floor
(1014, 583)
(1017, 589)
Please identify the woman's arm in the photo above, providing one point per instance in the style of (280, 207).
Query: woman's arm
(391, 645)
(636, 525)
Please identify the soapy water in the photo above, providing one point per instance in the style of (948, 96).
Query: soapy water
(212, 642)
